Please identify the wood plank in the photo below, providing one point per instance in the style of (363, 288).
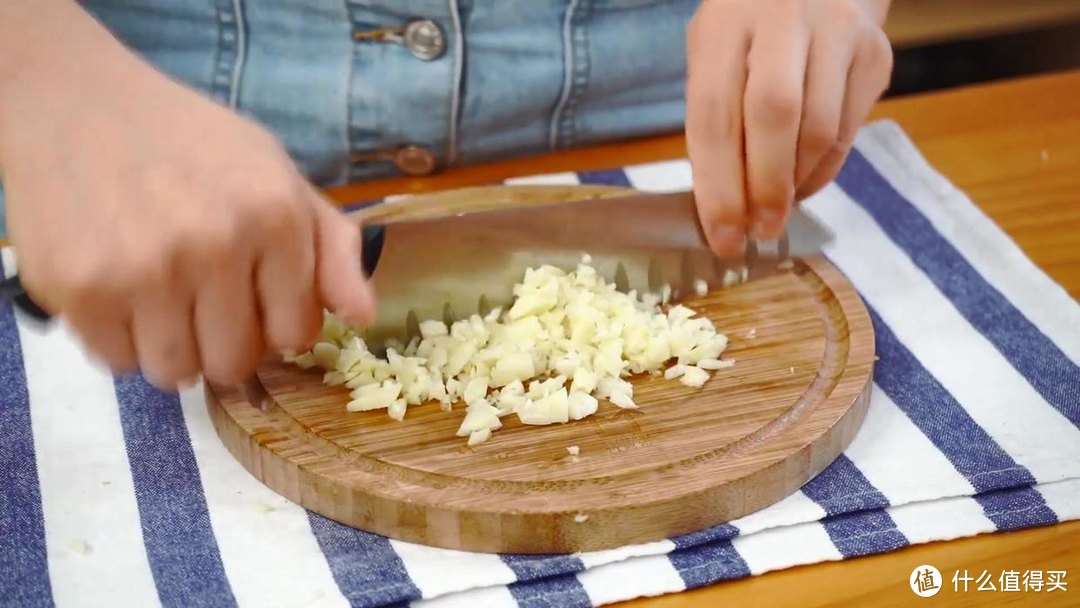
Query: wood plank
(882, 580)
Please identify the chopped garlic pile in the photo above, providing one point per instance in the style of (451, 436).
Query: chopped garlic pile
(568, 340)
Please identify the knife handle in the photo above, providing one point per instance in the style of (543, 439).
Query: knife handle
(13, 292)
(372, 238)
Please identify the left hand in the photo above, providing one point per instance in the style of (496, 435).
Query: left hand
(776, 91)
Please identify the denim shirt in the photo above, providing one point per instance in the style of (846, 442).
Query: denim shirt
(359, 89)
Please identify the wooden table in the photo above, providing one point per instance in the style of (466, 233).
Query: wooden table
(1014, 147)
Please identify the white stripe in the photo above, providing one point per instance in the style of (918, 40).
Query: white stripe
(982, 242)
(11, 266)
(93, 532)
(780, 548)
(490, 597)
(593, 559)
(664, 176)
(945, 519)
(438, 572)
(794, 509)
(550, 179)
(640, 577)
(995, 395)
(267, 547)
(924, 473)
(1063, 497)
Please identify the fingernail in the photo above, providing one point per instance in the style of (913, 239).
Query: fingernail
(767, 224)
(728, 239)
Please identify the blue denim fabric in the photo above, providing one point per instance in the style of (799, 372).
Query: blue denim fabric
(518, 76)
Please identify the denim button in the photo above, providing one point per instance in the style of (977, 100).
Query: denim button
(425, 40)
(414, 160)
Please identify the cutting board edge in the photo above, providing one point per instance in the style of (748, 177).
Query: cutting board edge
(809, 461)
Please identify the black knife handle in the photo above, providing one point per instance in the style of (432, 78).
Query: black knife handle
(372, 238)
(12, 290)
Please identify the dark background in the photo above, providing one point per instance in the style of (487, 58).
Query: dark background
(983, 58)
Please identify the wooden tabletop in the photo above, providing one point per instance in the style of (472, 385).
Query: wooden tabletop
(1014, 147)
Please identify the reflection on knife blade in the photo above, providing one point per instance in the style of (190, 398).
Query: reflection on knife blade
(456, 265)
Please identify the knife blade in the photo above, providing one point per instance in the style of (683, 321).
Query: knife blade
(450, 267)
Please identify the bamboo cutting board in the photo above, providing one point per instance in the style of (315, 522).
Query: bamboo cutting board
(690, 458)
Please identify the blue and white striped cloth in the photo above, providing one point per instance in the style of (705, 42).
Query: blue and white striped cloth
(115, 494)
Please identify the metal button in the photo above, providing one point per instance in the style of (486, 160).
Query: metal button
(414, 160)
(425, 40)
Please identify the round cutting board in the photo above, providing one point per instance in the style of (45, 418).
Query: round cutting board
(688, 459)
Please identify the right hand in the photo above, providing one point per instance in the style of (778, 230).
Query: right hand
(172, 234)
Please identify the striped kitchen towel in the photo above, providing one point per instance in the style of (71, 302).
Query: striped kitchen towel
(116, 494)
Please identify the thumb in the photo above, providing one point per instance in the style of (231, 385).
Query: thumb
(339, 272)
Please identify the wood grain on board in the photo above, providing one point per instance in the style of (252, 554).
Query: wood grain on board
(690, 458)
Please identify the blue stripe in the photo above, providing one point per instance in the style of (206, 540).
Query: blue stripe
(531, 567)
(543, 577)
(705, 564)
(564, 591)
(180, 543)
(1027, 349)
(975, 454)
(941, 417)
(606, 177)
(1017, 508)
(856, 522)
(365, 566)
(24, 571)
(708, 535)
(842, 488)
(864, 533)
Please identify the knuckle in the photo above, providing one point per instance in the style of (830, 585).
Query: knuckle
(878, 49)
(277, 208)
(720, 208)
(818, 134)
(149, 268)
(275, 184)
(844, 12)
(86, 279)
(216, 241)
(777, 106)
(717, 119)
(771, 199)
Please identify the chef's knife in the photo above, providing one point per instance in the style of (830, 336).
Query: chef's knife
(452, 266)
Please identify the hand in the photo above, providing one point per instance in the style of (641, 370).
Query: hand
(172, 234)
(776, 90)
